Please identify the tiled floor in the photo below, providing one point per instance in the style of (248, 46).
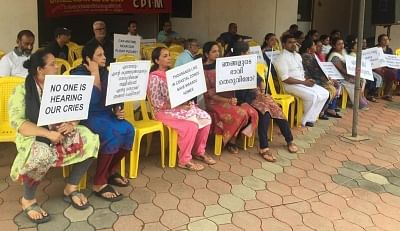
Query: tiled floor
(332, 184)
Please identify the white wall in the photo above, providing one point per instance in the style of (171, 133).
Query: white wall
(254, 18)
(394, 35)
(14, 17)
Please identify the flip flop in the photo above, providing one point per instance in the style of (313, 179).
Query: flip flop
(292, 148)
(267, 155)
(108, 189)
(113, 180)
(191, 166)
(35, 207)
(205, 158)
(68, 199)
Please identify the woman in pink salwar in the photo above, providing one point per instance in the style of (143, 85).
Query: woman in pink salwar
(191, 123)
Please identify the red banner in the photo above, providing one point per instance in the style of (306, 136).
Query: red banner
(59, 8)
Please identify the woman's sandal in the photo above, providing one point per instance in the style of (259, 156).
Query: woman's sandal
(267, 155)
(292, 148)
(232, 148)
(191, 166)
(35, 207)
(113, 180)
(205, 158)
(68, 199)
(108, 189)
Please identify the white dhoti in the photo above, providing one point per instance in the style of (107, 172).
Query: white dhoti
(314, 99)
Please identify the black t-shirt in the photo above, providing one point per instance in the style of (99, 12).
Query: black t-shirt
(57, 51)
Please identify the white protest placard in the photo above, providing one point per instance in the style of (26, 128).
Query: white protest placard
(392, 61)
(374, 55)
(186, 82)
(366, 69)
(65, 98)
(257, 51)
(148, 41)
(127, 81)
(126, 45)
(329, 69)
(272, 55)
(236, 73)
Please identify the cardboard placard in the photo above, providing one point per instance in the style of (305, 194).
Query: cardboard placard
(65, 98)
(236, 73)
(127, 81)
(126, 45)
(186, 82)
(366, 69)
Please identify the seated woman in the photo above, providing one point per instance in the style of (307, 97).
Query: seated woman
(228, 117)
(40, 148)
(191, 123)
(388, 74)
(116, 134)
(270, 44)
(266, 108)
(313, 70)
(337, 57)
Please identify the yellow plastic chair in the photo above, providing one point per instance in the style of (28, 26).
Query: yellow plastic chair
(397, 52)
(286, 101)
(126, 58)
(147, 52)
(146, 126)
(174, 56)
(62, 66)
(253, 43)
(2, 53)
(74, 53)
(76, 62)
(7, 85)
(176, 48)
(345, 96)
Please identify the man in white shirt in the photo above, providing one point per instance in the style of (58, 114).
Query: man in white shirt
(290, 69)
(12, 63)
(132, 29)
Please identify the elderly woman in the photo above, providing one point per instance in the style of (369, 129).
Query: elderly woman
(116, 134)
(40, 148)
(266, 108)
(314, 71)
(191, 123)
(229, 118)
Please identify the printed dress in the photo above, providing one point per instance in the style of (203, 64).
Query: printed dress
(228, 120)
(35, 158)
(114, 134)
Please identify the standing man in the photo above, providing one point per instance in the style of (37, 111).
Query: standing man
(132, 29)
(289, 66)
(231, 37)
(100, 36)
(59, 46)
(12, 63)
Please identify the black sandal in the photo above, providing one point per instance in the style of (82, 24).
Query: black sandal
(35, 207)
(112, 180)
(334, 115)
(108, 189)
(232, 148)
(68, 199)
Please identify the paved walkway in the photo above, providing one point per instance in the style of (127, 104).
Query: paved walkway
(332, 184)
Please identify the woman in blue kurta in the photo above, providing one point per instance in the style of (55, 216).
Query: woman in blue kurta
(116, 134)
